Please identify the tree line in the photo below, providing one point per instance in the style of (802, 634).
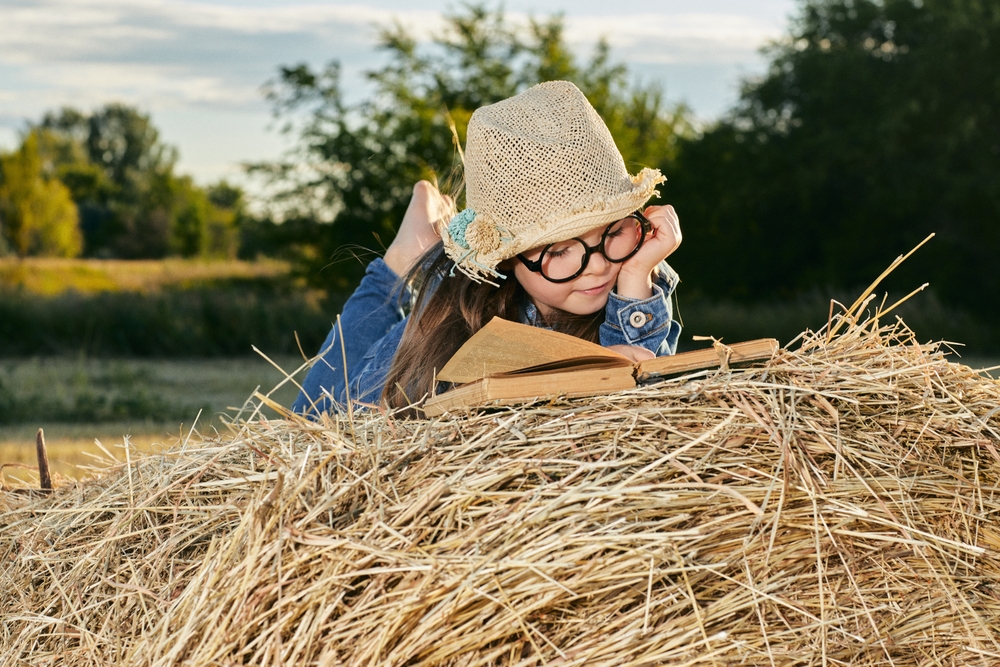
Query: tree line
(876, 123)
(103, 184)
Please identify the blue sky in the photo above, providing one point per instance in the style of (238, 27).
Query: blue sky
(197, 65)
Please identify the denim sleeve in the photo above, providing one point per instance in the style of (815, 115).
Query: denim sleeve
(645, 323)
(372, 323)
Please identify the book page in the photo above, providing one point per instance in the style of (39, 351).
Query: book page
(574, 364)
(503, 346)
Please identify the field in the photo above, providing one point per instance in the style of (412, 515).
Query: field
(156, 310)
(52, 276)
(89, 351)
(152, 402)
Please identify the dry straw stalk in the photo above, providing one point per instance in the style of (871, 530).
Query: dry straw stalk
(836, 507)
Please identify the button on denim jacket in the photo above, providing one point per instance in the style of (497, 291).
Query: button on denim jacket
(373, 321)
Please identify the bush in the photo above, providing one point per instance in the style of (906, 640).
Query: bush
(107, 397)
(183, 323)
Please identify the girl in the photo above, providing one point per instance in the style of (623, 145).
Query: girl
(553, 236)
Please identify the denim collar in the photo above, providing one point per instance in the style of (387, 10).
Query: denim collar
(528, 314)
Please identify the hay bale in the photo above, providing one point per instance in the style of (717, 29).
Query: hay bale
(836, 507)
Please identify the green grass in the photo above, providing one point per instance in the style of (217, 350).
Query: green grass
(149, 401)
(158, 309)
(208, 322)
(52, 276)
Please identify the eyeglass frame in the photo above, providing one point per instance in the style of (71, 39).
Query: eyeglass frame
(536, 265)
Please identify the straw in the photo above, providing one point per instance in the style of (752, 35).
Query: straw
(836, 506)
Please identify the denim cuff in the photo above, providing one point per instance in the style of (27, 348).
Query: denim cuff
(645, 323)
(639, 320)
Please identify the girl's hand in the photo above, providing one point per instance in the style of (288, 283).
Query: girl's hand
(635, 279)
(633, 352)
(428, 210)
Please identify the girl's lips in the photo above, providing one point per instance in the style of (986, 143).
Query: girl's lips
(595, 290)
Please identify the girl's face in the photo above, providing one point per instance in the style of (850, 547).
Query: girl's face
(584, 295)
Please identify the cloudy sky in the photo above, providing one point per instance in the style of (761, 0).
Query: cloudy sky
(197, 65)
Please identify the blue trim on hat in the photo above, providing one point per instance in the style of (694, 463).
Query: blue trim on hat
(458, 225)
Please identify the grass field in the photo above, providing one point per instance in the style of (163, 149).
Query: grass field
(150, 402)
(51, 276)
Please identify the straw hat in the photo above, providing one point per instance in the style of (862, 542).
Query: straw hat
(540, 167)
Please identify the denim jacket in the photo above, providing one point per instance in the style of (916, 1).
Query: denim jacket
(373, 321)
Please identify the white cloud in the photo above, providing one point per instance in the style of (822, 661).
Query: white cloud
(678, 38)
(167, 53)
(66, 30)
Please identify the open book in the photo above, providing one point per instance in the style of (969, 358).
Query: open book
(506, 362)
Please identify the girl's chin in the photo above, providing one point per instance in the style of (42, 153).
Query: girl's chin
(575, 307)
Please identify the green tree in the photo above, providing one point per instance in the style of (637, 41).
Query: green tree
(346, 185)
(37, 214)
(877, 123)
(225, 220)
(189, 223)
(120, 174)
(206, 221)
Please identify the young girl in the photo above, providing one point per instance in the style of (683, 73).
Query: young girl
(553, 236)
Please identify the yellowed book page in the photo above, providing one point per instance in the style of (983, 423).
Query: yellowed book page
(502, 346)
(510, 389)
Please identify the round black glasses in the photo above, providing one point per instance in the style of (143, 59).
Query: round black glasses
(563, 261)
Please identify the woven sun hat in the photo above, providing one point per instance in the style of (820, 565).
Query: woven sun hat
(540, 167)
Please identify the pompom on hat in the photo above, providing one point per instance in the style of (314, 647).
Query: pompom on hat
(540, 167)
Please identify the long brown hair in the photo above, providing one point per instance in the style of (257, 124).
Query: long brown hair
(447, 311)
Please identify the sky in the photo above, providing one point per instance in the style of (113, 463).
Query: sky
(197, 66)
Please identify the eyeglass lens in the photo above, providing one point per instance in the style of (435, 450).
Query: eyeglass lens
(567, 258)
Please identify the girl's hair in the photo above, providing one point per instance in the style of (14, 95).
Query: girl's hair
(447, 311)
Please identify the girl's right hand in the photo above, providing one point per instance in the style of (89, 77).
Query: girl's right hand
(427, 212)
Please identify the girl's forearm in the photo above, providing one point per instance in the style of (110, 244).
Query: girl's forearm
(635, 284)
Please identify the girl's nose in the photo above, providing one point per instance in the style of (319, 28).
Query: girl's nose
(597, 263)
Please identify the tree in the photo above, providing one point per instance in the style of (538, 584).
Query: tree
(877, 123)
(120, 174)
(225, 220)
(132, 203)
(37, 214)
(348, 180)
(189, 226)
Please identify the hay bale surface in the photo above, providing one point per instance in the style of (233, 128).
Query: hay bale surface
(837, 507)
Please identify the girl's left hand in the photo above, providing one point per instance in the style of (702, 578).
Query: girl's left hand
(418, 231)
(635, 278)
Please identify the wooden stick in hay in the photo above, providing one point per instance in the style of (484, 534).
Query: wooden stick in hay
(44, 476)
